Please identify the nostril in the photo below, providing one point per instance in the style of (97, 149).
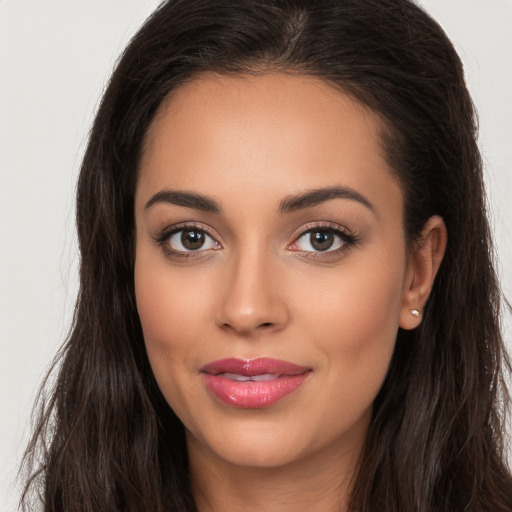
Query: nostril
(266, 324)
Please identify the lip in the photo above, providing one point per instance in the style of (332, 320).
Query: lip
(230, 380)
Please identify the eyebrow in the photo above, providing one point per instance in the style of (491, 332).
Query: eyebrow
(187, 199)
(290, 204)
(320, 195)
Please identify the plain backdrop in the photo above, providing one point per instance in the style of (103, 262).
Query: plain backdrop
(55, 58)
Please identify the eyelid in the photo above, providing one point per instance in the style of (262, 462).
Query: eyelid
(348, 237)
(320, 225)
(164, 235)
(164, 232)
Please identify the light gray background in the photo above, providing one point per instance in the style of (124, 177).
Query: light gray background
(55, 57)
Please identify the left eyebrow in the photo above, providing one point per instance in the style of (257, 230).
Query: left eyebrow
(320, 195)
(186, 199)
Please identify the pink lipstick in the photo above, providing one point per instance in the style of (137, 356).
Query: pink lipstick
(253, 383)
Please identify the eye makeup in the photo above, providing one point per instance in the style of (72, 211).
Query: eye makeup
(323, 240)
(187, 240)
(317, 240)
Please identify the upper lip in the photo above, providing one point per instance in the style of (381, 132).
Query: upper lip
(252, 367)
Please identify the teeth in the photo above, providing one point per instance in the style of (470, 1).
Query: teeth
(235, 376)
(266, 376)
(245, 378)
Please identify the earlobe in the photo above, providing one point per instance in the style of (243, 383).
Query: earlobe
(425, 259)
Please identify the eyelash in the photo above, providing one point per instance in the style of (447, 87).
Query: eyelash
(163, 238)
(347, 238)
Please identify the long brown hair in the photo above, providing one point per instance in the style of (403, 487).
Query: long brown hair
(105, 439)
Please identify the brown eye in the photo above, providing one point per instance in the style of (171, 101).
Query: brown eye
(192, 239)
(321, 240)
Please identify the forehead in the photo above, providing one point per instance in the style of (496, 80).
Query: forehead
(265, 135)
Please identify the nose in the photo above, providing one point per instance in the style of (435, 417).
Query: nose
(253, 299)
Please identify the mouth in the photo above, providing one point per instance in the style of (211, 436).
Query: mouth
(254, 378)
(253, 383)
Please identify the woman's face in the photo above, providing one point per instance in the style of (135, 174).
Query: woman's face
(271, 269)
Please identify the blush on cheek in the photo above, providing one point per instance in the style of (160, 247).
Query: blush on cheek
(167, 316)
(157, 300)
(158, 329)
(363, 326)
(152, 313)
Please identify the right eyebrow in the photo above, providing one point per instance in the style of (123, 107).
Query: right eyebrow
(186, 199)
(317, 196)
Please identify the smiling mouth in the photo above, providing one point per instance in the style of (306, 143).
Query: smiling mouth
(246, 378)
(253, 383)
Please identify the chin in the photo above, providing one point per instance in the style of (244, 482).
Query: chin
(259, 444)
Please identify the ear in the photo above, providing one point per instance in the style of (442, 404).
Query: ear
(424, 260)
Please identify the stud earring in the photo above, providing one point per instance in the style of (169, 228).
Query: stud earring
(415, 313)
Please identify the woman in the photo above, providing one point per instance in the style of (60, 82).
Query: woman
(287, 297)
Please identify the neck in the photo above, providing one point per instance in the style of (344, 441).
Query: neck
(320, 482)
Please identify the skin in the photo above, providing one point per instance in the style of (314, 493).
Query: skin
(258, 287)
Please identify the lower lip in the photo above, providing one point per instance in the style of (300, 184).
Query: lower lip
(252, 394)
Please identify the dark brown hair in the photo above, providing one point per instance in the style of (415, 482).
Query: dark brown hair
(105, 439)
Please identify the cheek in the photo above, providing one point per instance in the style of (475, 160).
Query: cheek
(164, 306)
(171, 301)
(171, 311)
(354, 320)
